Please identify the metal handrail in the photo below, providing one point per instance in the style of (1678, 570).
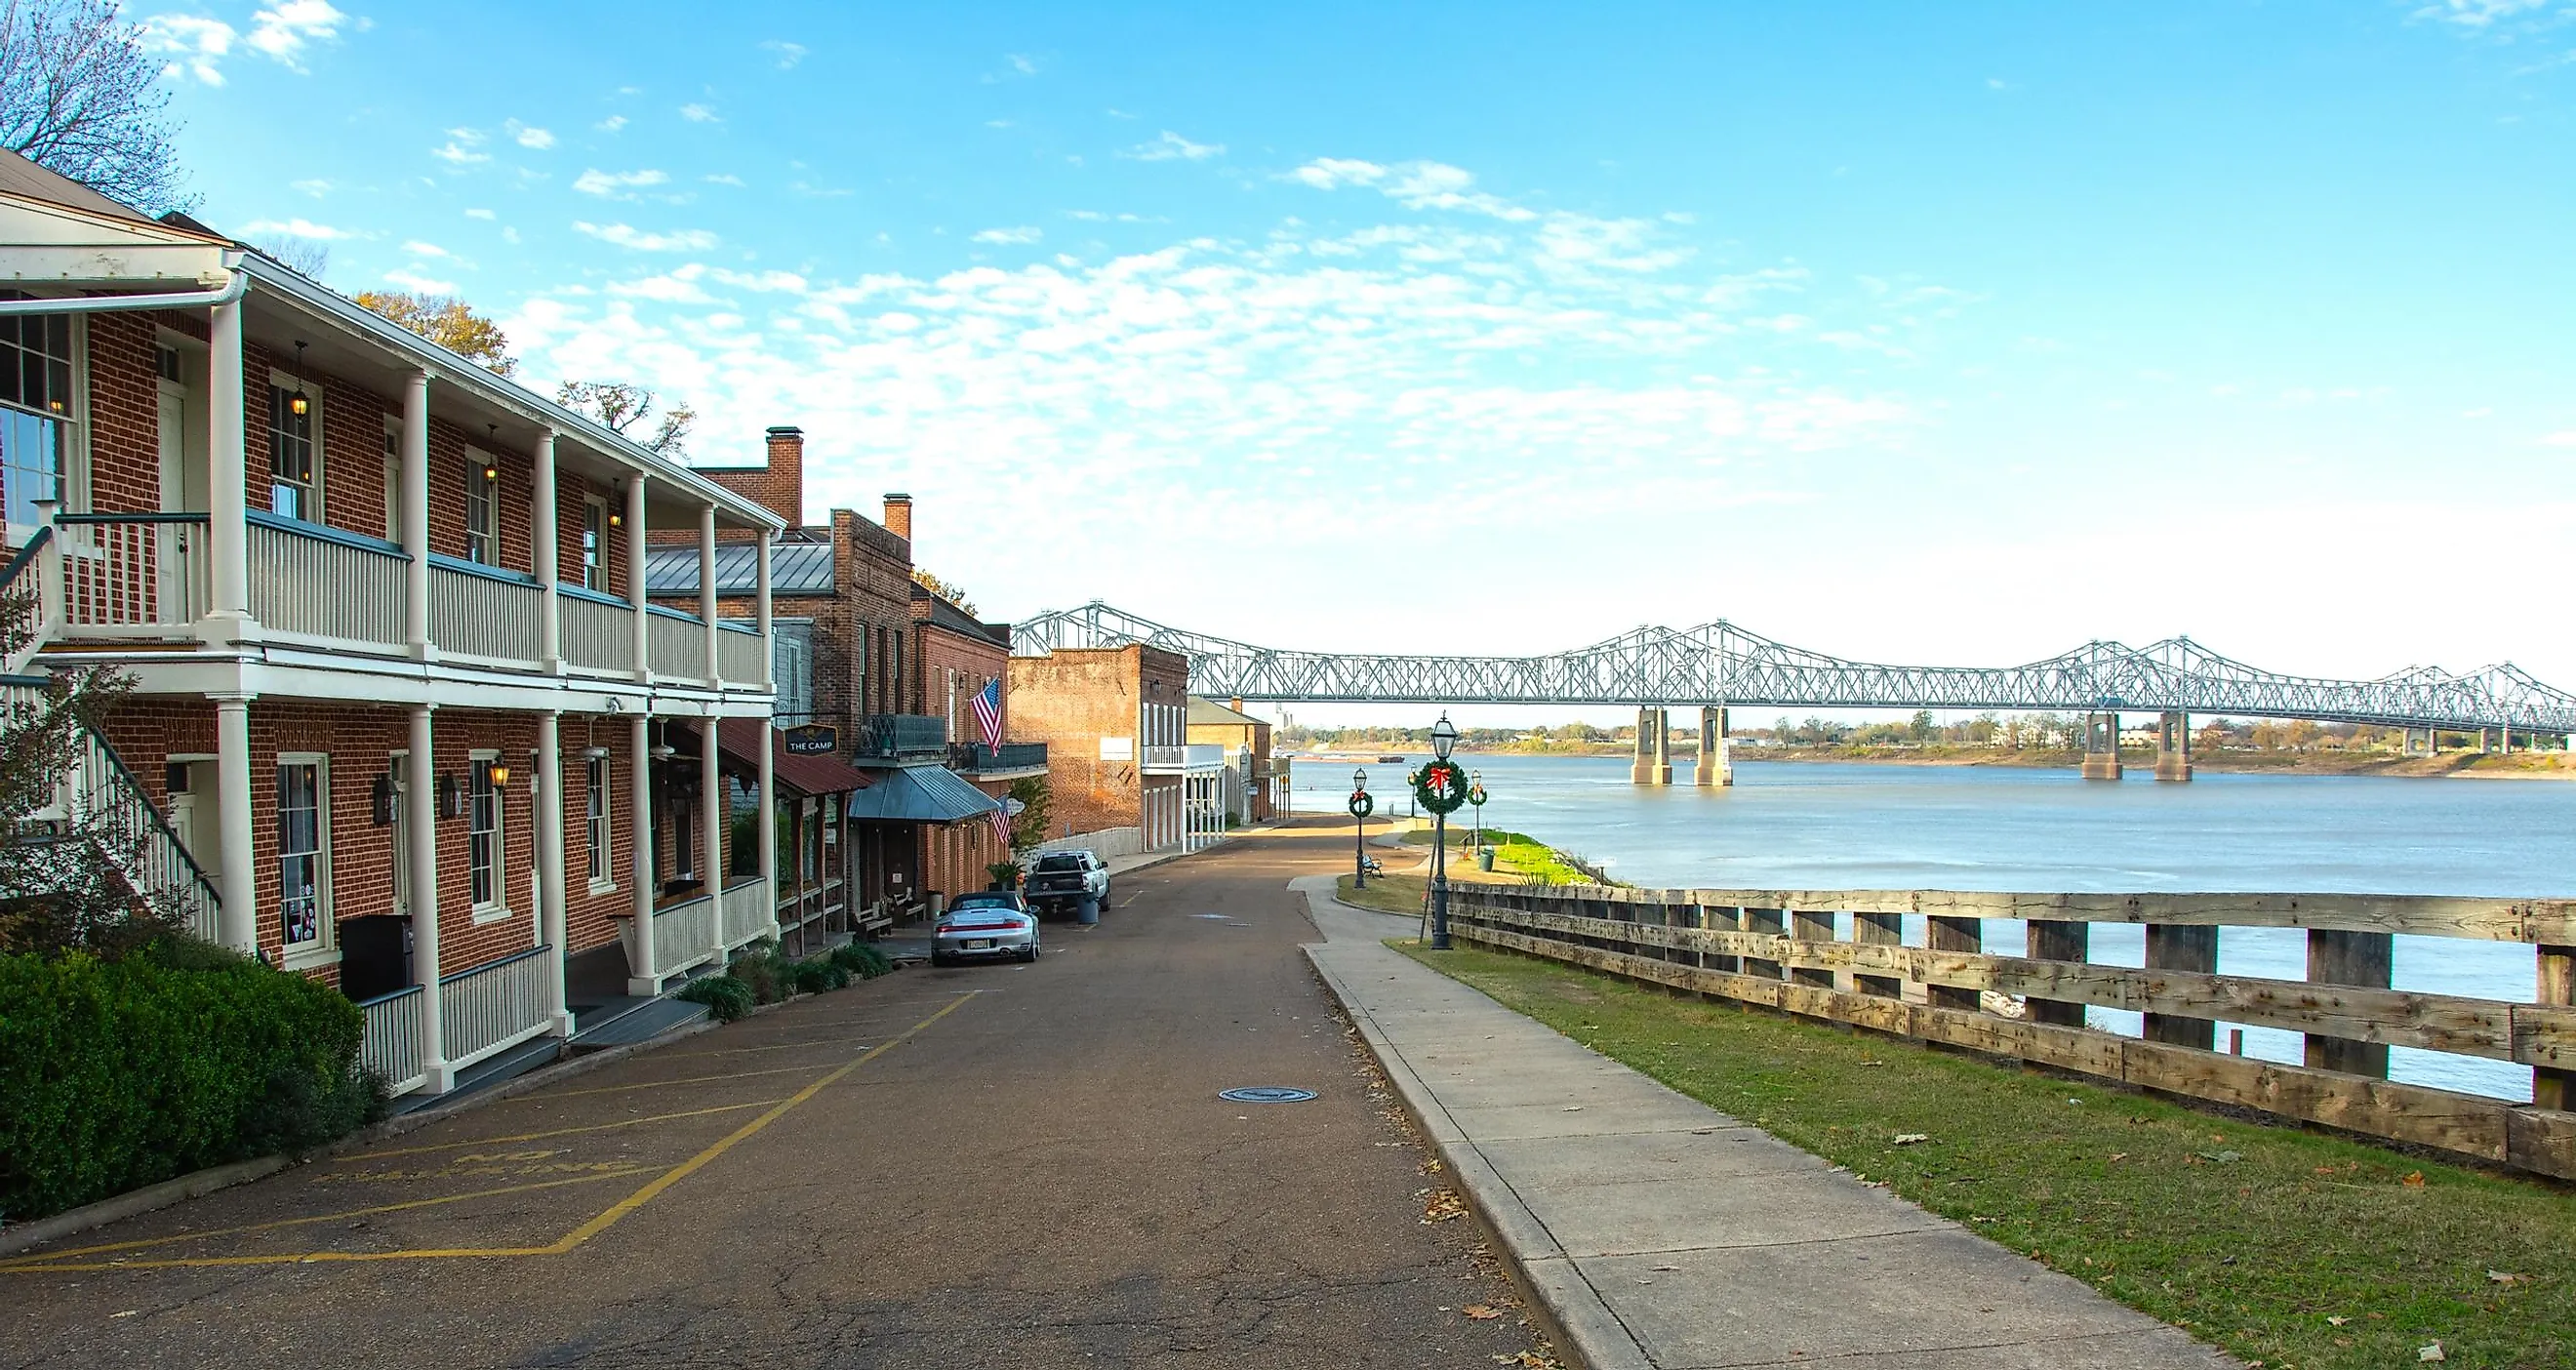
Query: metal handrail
(143, 516)
(134, 795)
(26, 556)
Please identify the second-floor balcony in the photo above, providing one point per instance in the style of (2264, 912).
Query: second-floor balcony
(148, 578)
(902, 737)
(1183, 759)
(1011, 758)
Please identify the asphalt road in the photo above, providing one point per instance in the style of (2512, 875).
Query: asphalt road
(1002, 1165)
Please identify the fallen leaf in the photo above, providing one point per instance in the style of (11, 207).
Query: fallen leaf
(1482, 1312)
(2222, 1157)
(1910, 1138)
(2337, 1320)
(126, 1314)
(2415, 1180)
(2432, 1352)
(2119, 1155)
(1443, 1206)
(2506, 1277)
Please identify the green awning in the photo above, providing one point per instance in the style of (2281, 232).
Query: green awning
(920, 794)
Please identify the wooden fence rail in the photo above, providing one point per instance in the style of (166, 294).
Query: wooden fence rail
(1779, 948)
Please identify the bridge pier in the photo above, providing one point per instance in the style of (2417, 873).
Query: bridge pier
(1654, 763)
(2102, 746)
(2173, 745)
(1714, 768)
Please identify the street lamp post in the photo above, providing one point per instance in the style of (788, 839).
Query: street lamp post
(1361, 804)
(1440, 780)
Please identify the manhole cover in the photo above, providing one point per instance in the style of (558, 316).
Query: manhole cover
(1266, 1094)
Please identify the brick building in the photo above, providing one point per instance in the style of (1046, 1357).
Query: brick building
(1115, 721)
(888, 668)
(403, 720)
(1255, 781)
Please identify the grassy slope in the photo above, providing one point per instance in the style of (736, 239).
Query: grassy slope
(2255, 1238)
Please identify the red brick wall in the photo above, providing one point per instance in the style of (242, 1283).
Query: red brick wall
(1070, 700)
(124, 415)
(947, 664)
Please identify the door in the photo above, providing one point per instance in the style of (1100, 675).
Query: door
(177, 554)
(194, 805)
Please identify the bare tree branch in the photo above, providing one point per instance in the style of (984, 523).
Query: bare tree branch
(78, 95)
(619, 406)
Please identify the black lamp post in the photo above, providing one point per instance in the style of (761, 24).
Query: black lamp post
(1444, 739)
(1361, 803)
(1476, 796)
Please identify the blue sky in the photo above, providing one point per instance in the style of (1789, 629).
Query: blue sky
(1953, 333)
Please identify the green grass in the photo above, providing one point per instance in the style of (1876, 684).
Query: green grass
(2255, 1238)
(1514, 853)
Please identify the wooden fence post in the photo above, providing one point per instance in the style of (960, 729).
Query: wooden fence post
(1879, 930)
(2176, 947)
(1953, 934)
(2552, 1087)
(1806, 925)
(2349, 958)
(1762, 923)
(2049, 940)
(1725, 920)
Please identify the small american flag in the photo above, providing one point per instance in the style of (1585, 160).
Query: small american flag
(1001, 827)
(988, 714)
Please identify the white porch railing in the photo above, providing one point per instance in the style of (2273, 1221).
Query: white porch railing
(597, 636)
(391, 1047)
(132, 575)
(1195, 756)
(311, 585)
(740, 656)
(484, 617)
(748, 913)
(676, 647)
(493, 1007)
(684, 935)
(99, 793)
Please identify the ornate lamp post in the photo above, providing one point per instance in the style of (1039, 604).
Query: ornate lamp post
(1361, 806)
(1441, 787)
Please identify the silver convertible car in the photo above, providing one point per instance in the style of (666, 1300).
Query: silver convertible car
(987, 923)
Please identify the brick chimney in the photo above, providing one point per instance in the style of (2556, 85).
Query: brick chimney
(898, 516)
(784, 491)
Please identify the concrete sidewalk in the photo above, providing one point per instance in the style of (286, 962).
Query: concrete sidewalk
(1659, 1232)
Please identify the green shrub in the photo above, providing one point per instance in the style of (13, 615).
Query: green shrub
(115, 1075)
(862, 959)
(726, 998)
(765, 972)
(819, 975)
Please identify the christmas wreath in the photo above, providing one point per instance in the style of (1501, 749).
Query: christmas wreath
(1441, 786)
(1362, 804)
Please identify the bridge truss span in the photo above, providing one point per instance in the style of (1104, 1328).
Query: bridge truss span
(1721, 663)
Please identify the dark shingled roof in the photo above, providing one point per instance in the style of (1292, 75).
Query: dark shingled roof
(946, 615)
(795, 568)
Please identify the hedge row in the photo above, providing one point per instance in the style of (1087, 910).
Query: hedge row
(115, 1075)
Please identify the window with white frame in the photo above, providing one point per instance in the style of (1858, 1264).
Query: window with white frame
(36, 403)
(303, 855)
(393, 479)
(398, 772)
(595, 820)
(594, 544)
(294, 449)
(792, 662)
(482, 510)
(483, 835)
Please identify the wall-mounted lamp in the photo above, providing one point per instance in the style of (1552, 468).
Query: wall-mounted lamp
(380, 804)
(500, 775)
(451, 797)
(617, 519)
(297, 403)
(492, 464)
(594, 753)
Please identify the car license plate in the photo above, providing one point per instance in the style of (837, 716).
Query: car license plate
(979, 944)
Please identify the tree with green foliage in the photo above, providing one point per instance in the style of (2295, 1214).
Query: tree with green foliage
(446, 321)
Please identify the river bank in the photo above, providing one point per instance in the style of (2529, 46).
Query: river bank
(2247, 761)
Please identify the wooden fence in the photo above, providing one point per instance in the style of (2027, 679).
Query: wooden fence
(1779, 948)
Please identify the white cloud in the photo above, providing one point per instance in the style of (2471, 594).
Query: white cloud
(1008, 235)
(611, 124)
(699, 114)
(195, 45)
(679, 285)
(409, 279)
(766, 282)
(462, 148)
(315, 187)
(285, 29)
(298, 227)
(998, 123)
(788, 54)
(418, 248)
(685, 240)
(2480, 14)
(1173, 147)
(527, 137)
(1023, 65)
(722, 178)
(617, 184)
(2562, 438)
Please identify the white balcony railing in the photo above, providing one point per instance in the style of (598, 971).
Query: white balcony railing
(141, 576)
(1196, 756)
(493, 1007)
(741, 656)
(484, 615)
(683, 935)
(675, 645)
(598, 634)
(748, 913)
(313, 584)
(391, 1047)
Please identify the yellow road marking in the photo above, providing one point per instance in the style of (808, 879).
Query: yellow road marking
(781, 1046)
(686, 1168)
(653, 1084)
(56, 1260)
(558, 1131)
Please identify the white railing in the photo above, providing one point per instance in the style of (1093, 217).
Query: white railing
(100, 797)
(480, 616)
(684, 935)
(598, 637)
(493, 1007)
(391, 1047)
(741, 657)
(1196, 756)
(748, 913)
(132, 575)
(676, 647)
(313, 586)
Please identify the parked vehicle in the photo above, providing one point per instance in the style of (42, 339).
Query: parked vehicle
(984, 925)
(1062, 880)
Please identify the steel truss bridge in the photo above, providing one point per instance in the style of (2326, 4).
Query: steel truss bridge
(1719, 663)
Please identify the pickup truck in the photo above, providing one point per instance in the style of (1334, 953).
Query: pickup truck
(1062, 880)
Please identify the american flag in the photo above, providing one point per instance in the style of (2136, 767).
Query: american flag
(1001, 822)
(988, 714)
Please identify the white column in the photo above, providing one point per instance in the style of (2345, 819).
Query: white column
(421, 805)
(542, 530)
(239, 925)
(635, 594)
(550, 863)
(707, 588)
(227, 480)
(415, 514)
(711, 816)
(768, 649)
(767, 818)
(643, 976)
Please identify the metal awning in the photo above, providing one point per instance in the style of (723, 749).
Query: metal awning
(739, 739)
(920, 794)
